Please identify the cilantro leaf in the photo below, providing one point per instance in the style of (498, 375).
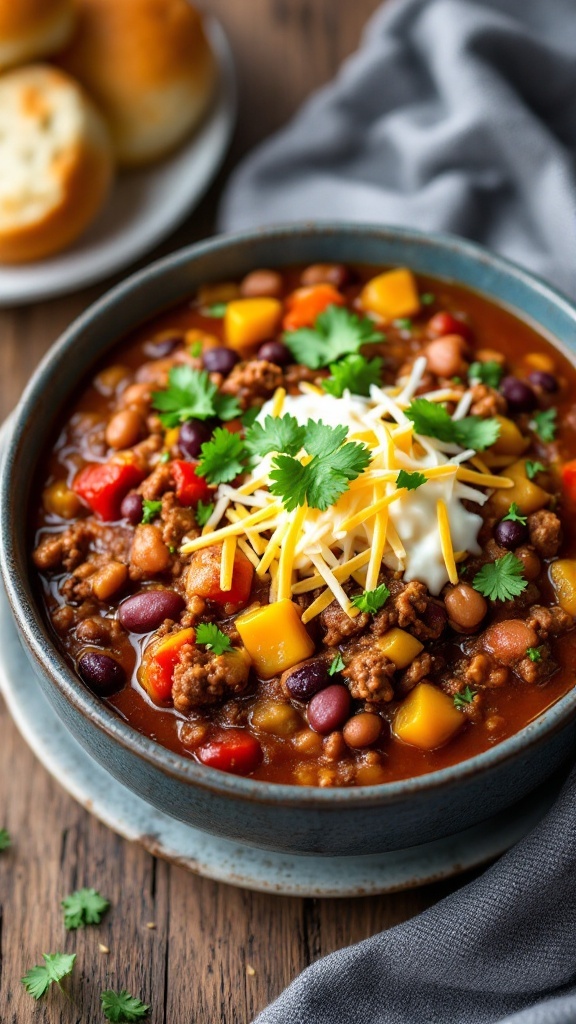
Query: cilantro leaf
(336, 665)
(466, 696)
(372, 600)
(403, 323)
(321, 439)
(489, 373)
(150, 510)
(192, 395)
(221, 458)
(5, 840)
(432, 420)
(277, 434)
(226, 406)
(203, 512)
(533, 468)
(121, 1007)
(165, 457)
(249, 416)
(501, 580)
(514, 515)
(196, 349)
(534, 653)
(212, 638)
(355, 374)
(289, 481)
(428, 298)
(217, 310)
(56, 966)
(410, 480)
(337, 332)
(85, 906)
(544, 424)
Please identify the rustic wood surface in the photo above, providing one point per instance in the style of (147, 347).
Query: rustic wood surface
(192, 966)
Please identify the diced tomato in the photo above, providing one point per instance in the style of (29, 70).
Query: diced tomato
(190, 488)
(157, 672)
(305, 304)
(103, 485)
(204, 577)
(237, 752)
(443, 323)
(569, 480)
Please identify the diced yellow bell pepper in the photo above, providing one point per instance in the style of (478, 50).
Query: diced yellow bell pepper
(427, 718)
(59, 499)
(392, 295)
(528, 496)
(171, 437)
(563, 576)
(401, 647)
(540, 361)
(249, 321)
(275, 717)
(222, 291)
(274, 637)
(509, 441)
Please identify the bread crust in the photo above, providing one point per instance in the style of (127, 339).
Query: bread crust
(33, 29)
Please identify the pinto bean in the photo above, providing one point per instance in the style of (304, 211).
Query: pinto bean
(446, 355)
(108, 579)
(362, 730)
(267, 283)
(466, 607)
(325, 273)
(124, 429)
(509, 640)
(149, 552)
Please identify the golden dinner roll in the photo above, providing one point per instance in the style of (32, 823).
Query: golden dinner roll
(56, 160)
(149, 66)
(30, 29)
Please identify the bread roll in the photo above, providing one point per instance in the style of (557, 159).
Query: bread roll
(148, 65)
(30, 29)
(56, 160)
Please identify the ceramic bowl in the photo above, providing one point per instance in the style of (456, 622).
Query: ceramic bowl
(280, 817)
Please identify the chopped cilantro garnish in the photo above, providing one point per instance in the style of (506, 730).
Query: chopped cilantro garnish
(5, 840)
(249, 416)
(212, 638)
(533, 468)
(196, 349)
(56, 966)
(355, 374)
(432, 420)
(457, 380)
(427, 298)
(192, 395)
(165, 457)
(403, 323)
(543, 424)
(150, 510)
(410, 480)
(277, 434)
(203, 512)
(336, 665)
(221, 458)
(121, 1007)
(534, 653)
(466, 696)
(489, 373)
(501, 580)
(85, 906)
(217, 310)
(337, 332)
(325, 478)
(372, 600)
(514, 515)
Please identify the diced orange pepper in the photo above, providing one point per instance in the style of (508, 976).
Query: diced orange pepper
(160, 660)
(247, 322)
(569, 480)
(427, 718)
(305, 304)
(393, 294)
(275, 637)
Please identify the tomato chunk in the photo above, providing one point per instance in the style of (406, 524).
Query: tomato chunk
(569, 480)
(237, 752)
(305, 304)
(159, 662)
(190, 488)
(103, 485)
(203, 579)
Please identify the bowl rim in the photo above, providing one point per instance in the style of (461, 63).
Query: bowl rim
(42, 647)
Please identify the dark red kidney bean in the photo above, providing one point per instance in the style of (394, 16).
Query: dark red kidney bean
(163, 347)
(191, 437)
(446, 323)
(275, 352)
(518, 394)
(147, 610)
(546, 381)
(510, 534)
(220, 359)
(131, 508)
(103, 674)
(329, 709)
(306, 680)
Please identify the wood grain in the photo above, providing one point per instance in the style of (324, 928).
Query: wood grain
(196, 964)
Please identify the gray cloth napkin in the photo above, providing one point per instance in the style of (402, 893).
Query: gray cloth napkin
(458, 116)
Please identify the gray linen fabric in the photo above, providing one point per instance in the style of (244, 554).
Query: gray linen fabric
(454, 115)
(459, 116)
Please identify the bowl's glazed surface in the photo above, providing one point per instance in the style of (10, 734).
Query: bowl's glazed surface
(296, 819)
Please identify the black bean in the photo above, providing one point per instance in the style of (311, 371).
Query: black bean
(329, 709)
(518, 394)
(220, 359)
(103, 674)
(275, 352)
(544, 380)
(306, 680)
(147, 610)
(510, 534)
(131, 508)
(191, 437)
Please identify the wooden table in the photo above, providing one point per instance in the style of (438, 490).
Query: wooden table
(216, 954)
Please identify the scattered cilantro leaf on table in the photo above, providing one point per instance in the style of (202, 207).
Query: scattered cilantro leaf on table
(533, 468)
(410, 480)
(337, 332)
(222, 458)
(212, 638)
(501, 580)
(543, 423)
(5, 840)
(489, 373)
(326, 476)
(192, 395)
(372, 600)
(203, 512)
(336, 665)
(121, 1007)
(514, 515)
(85, 906)
(56, 966)
(431, 420)
(277, 434)
(466, 696)
(150, 510)
(354, 373)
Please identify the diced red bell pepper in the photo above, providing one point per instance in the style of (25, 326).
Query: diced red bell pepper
(204, 577)
(569, 481)
(237, 752)
(103, 485)
(158, 664)
(305, 304)
(190, 488)
(443, 323)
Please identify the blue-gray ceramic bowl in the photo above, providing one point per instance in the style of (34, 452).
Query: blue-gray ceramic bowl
(280, 817)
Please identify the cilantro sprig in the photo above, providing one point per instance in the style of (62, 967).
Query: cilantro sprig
(464, 697)
(85, 906)
(501, 580)
(489, 373)
(533, 468)
(56, 966)
(209, 636)
(216, 310)
(121, 1007)
(514, 515)
(410, 480)
(5, 840)
(355, 374)
(372, 600)
(221, 458)
(543, 423)
(431, 420)
(336, 665)
(192, 395)
(150, 510)
(276, 434)
(203, 512)
(336, 332)
(322, 480)
(534, 653)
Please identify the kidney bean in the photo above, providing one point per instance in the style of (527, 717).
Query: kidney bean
(103, 674)
(191, 437)
(275, 352)
(546, 381)
(443, 323)
(131, 508)
(147, 610)
(259, 283)
(329, 709)
(220, 359)
(510, 534)
(362, 730)
(303, 681)
(518, 394)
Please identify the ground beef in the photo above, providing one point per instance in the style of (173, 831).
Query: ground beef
(369, 674)
(66, 549)
(473, 709)
(487, 402)
(339, 626)
(297, 373)
(535, 672)
(176, 521)
(411, 607)
(202, 678)
(253, 382)
(545, 532)
(156, 485)
(481, 671)
(549, 621)
(99, 630)
(421, 667)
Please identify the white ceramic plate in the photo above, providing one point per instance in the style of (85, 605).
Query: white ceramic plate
(144, 206)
